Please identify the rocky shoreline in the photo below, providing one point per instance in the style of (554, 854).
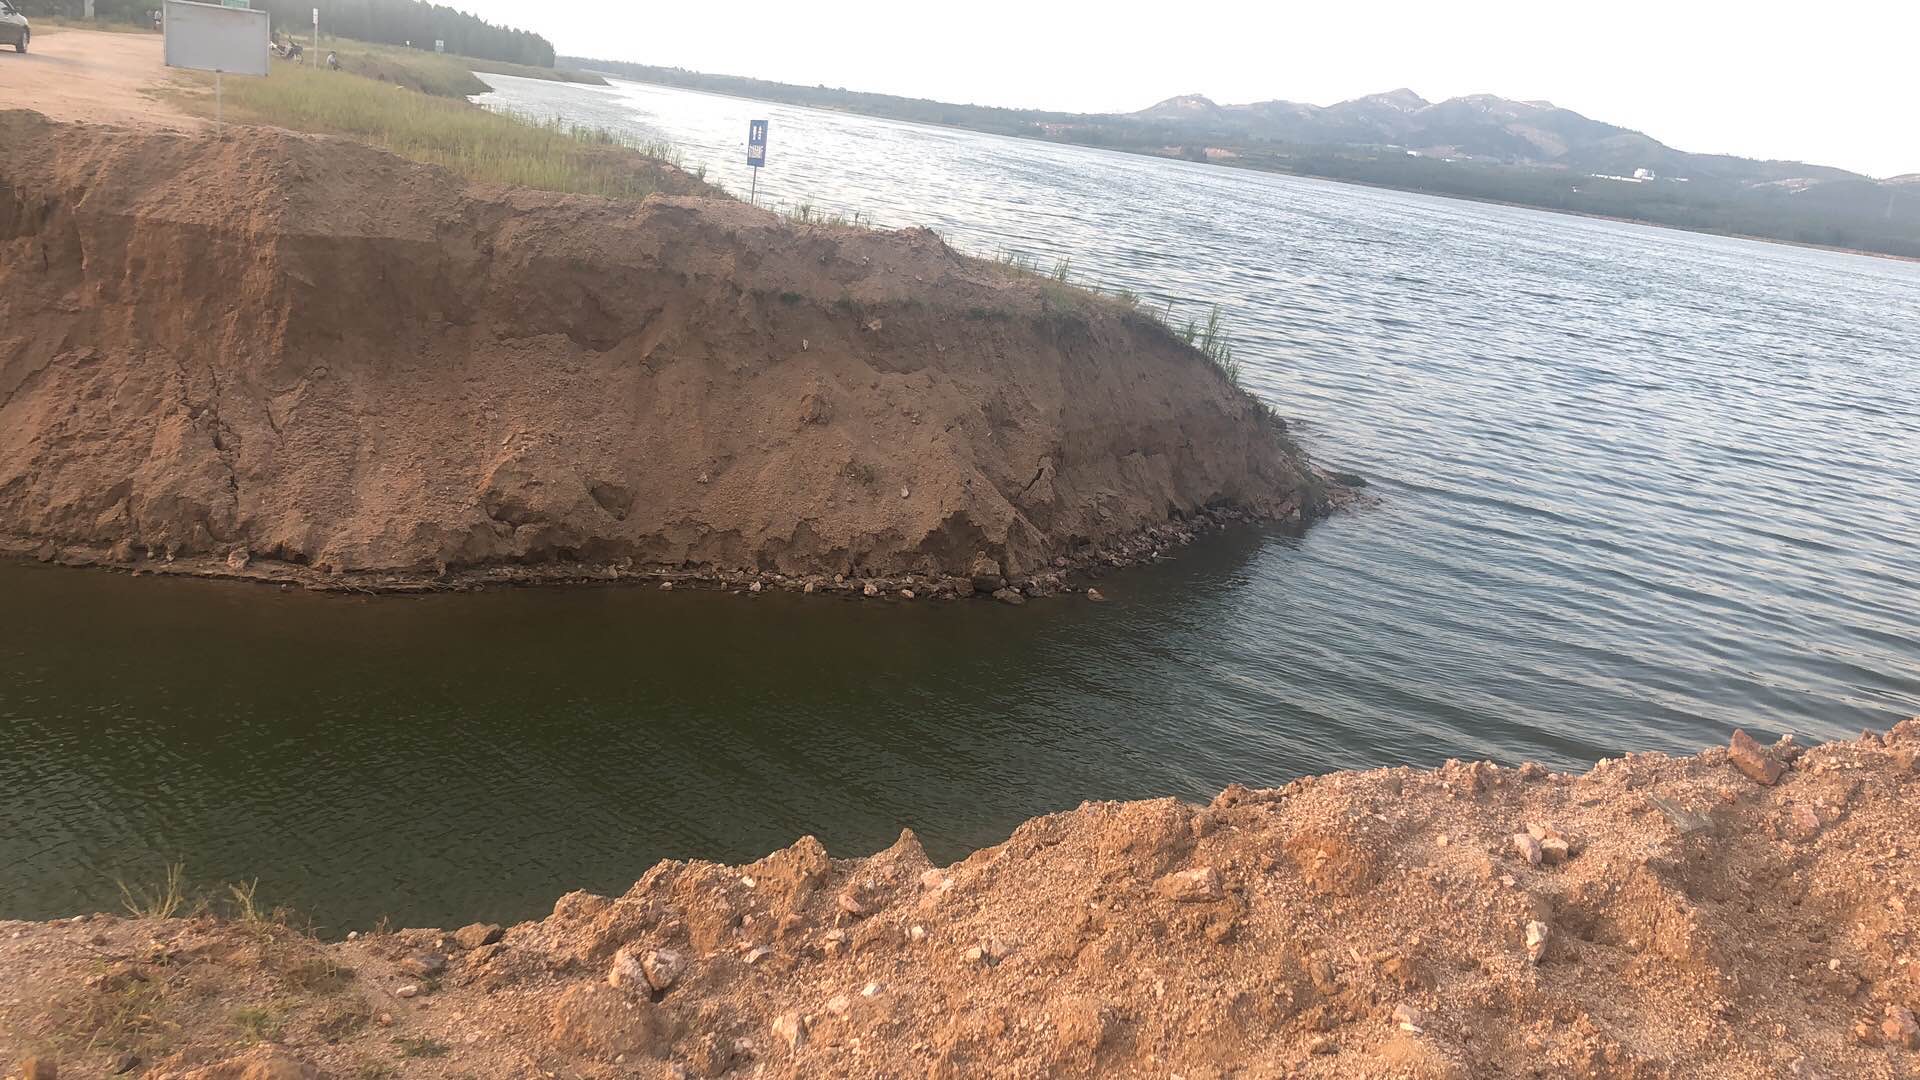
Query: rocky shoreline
(1745, 912)
(1065, 575)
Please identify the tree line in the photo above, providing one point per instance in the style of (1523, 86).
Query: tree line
(393, 22)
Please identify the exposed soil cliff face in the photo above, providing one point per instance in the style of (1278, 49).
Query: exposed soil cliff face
(326, 355)
(1654, 917)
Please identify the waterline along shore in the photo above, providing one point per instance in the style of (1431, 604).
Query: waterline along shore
(1747, 911)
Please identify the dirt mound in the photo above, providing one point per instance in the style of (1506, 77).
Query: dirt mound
(1655, 917)
(301, 352)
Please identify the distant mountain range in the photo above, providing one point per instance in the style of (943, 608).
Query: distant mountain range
(1531, 153)
(1480, 127)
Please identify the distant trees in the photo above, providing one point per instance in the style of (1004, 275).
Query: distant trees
(394, 22)
(397, 22)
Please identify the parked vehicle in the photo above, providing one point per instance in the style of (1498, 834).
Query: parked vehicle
(14, 30)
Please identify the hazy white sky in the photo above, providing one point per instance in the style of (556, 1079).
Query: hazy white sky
(1835, 82)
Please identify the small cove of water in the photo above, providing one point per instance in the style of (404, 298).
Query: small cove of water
(1638, 487)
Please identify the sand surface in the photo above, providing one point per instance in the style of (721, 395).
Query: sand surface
(92, 77)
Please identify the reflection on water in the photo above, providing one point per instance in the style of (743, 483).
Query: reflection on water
(1639, 487)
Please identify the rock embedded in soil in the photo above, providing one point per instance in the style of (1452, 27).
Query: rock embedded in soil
(663, 967)
(1754, 761)
(426, 965)
(791, 1029)
(1528, 847)
(1197, 886)
(1537, 935)
(475, 935)
(1899, 1028)
(625, 971)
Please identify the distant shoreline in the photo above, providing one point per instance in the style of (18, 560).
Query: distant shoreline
(1256, 168)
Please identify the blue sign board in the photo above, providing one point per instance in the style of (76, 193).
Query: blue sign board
(757, 143)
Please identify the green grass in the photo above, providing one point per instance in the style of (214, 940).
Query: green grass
(438, 74)
(430, 73)
(477, 143)
(258, 1022)
(807, 214)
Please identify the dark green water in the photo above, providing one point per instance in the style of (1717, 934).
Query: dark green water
(445, 758)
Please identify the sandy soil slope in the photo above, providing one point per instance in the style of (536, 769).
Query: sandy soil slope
(275, 350)
(1654, 917)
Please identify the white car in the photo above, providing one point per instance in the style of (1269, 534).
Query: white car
(13, 28)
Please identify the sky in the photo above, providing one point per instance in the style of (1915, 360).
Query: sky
(1835, 82)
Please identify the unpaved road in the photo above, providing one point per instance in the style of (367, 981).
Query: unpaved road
(91, 76)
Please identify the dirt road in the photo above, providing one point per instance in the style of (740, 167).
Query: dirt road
(93, 77)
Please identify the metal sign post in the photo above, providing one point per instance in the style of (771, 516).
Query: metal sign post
(756, 154)
(316, 33)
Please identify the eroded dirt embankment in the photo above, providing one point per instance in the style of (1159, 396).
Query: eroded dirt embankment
(1654, 917)
(340, 365)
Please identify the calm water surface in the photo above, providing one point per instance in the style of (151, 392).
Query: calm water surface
(1638, 487)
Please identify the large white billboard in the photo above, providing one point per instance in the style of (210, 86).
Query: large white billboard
(210, 37)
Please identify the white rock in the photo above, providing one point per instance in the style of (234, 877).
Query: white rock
(838, 1004)
(1537, 933)
(627, 972)
(663, 967)
(789, 1028)
(407, 991)
(1528, 847)
(872, 989)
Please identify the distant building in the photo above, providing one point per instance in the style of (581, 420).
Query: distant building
(1643, 174)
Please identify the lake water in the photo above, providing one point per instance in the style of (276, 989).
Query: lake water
(1638, 487)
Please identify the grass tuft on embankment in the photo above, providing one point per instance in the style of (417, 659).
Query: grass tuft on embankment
(476, 143)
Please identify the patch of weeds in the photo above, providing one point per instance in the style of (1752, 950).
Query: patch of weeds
(419, 1046)
(369, 1069)
(315, 974)
(162, 901)
(859, 472)
(343, 1019)
(244, 908)
(984, 314)
(122, 1012)
(258, 1022)
(790, 297)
